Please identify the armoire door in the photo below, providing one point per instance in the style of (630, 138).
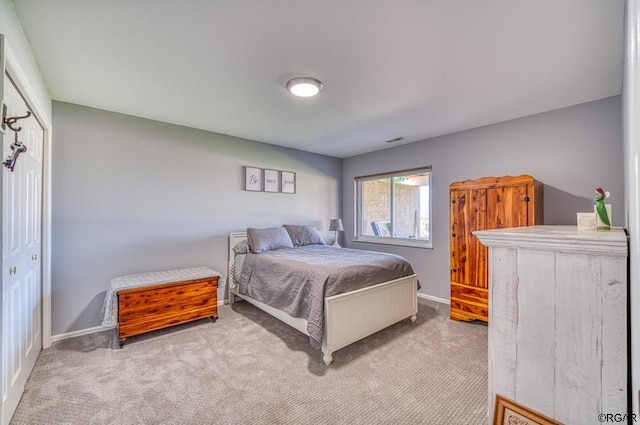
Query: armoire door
(21, 253)
(508, 207)
(468, 210)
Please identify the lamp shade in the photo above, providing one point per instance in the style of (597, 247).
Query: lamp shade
(336, 225)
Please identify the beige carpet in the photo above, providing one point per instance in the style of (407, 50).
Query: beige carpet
(248, 368)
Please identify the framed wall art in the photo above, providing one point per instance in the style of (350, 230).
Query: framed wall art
(288, 182)
(271, 180)
(253, 179)
(509, 412)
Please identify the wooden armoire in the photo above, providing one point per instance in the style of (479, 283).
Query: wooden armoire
(484, 204)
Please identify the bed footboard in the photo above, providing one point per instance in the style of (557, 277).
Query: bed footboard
(354, 315)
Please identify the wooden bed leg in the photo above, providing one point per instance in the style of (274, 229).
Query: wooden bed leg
(213, 318)
(121, 342)
(413, 318)
(327, 358)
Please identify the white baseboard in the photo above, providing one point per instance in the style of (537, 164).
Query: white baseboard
(432, 298)
(93, 330)
(87, 331)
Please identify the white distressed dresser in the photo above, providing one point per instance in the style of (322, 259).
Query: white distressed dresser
(558, 320)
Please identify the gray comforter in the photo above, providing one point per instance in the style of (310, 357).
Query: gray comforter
(296, 280)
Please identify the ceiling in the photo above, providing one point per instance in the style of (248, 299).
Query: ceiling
(391, 68)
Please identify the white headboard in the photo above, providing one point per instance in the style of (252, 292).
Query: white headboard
(234, 239)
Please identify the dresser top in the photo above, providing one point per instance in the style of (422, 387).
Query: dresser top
(557, 238)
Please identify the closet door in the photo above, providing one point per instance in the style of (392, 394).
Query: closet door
(21, 253)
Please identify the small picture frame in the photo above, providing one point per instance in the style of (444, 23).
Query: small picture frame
(288, 182)
(509, 412)
(271, 180)
(586, 221)
(253, 179)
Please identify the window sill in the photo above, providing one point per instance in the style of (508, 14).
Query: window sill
(398, 242)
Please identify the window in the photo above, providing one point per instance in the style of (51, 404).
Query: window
(394, 208)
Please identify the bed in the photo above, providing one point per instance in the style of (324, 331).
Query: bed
(347, 313)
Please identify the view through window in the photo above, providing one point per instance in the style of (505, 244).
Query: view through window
(394, 207)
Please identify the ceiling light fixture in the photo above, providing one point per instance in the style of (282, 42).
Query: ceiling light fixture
(304, 86)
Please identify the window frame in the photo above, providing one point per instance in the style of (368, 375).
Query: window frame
(359, 235)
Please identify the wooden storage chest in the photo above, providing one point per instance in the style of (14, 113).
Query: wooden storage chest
(149, 308)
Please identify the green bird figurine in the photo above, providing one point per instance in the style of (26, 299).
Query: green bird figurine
(601, 210)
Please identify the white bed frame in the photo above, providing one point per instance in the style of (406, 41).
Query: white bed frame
(350, 316)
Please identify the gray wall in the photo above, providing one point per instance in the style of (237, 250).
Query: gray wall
(571, 151)
(132, 195)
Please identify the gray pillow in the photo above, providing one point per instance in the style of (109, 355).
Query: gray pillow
(304, 235)
(241, 247)
(261, 240)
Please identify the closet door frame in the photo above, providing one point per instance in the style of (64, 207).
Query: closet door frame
(21, 81)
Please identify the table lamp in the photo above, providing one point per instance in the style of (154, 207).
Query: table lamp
(336, 226)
